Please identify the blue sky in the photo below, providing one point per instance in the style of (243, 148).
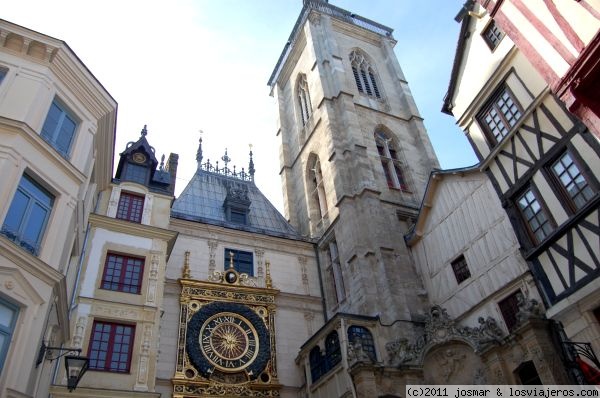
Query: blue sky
(187, 65)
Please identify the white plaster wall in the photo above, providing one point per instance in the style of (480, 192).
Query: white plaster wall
(466, 218)
(97, 249)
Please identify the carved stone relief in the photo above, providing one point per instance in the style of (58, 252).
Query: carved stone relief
(439, 329)
(302, 262)
(142, 377)
(212, 250)
(152, 279)
(79, 331)
(113, 203)
(453, 363)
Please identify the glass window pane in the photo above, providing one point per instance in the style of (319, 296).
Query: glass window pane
(7, 316)
(51, 123)
(16, 212)
(35, 223)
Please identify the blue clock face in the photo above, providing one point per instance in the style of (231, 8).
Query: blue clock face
(228, 337)
(229, 341)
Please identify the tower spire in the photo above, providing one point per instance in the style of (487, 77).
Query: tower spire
(251, 165)
(199, 151)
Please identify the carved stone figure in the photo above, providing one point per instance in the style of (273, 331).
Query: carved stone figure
(356, 353)
(528, 309)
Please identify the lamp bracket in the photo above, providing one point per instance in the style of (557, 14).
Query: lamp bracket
(53, 353)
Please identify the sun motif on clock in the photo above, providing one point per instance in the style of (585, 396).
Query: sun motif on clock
(228, 341)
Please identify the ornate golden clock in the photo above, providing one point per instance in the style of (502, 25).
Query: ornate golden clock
(229, 341)
(229, 338)
(226, 345)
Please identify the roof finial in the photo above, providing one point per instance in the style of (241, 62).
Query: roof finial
(162, 163)
(251, 165)
(144, 131)
(231, 255)
(199, 152)
(226, 159)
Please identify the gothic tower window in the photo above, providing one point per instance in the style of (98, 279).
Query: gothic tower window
(359, 335)
(388, 155)
(317, 189)
(332, 350)
(317, 364)
(335, 273)
(364, 75)
(303, 96)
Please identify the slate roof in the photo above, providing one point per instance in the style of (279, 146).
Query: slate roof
(203, 200)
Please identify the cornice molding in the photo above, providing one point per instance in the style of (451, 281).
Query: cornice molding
(131, 228)
(29, 263)
(206, 229)
(24, 130)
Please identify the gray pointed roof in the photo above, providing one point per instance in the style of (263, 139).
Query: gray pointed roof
(203, 200)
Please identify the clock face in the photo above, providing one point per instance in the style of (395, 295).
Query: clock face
(229, 341)
(229, 338)
(139, 157)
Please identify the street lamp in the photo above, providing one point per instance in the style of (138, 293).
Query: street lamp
(76, 365)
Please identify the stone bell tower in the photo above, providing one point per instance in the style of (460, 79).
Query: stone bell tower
(355, 158)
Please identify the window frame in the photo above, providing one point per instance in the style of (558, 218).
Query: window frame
(303, 97)
(123, 273)
(392, 166)
(490, 104)
(129, 213)
(459, 265)
(7, 331)
(110, 346)
(334, 270)
(492, 27)
(333, 350)
(562, 191)
(366, 339)
(53, 135)
(3, 73)
(46, 204)
(236, 261)
(509, 309)
(318, 192)
(531, 233)
(365, 76)
(317, 364)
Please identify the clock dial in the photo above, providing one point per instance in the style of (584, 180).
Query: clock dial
(139, 157)
(228, 338)
(229, 341)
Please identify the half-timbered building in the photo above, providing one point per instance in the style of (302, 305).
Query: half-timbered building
(542, 159)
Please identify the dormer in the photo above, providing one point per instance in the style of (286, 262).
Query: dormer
(138, 163)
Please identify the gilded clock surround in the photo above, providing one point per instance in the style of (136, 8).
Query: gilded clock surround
(226, 344)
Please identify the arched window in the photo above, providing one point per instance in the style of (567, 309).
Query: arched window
(317, 188)
(362, 335)
(317, 364)
(333, 354)
(305, 108)
(364, 75)
(388, 154)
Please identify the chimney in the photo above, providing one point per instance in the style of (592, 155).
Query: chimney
(172, 169)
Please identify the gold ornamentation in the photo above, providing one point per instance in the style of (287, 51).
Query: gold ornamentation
(268, 280)
(186, 266)
(229, 341)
